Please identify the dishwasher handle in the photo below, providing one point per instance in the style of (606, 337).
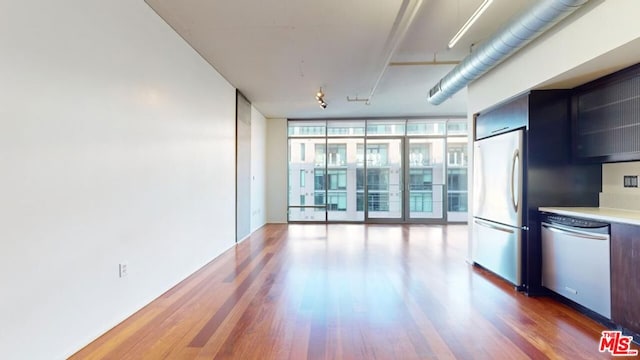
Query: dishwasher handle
(574, 232)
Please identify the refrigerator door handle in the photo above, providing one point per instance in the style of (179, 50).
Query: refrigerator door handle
(492, 226)
(515, 166)
(478, 181)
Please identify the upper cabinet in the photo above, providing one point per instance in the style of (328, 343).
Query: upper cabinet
(606, 118)
(503, 118)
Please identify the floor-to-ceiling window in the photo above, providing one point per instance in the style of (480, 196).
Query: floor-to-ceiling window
(384, 181)
(345, 139)
(307, 165)
(427, 183)
(457, 192)
(377, 170)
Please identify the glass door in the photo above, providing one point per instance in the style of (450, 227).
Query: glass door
(342, 187)
(425, 178)
(384, 178)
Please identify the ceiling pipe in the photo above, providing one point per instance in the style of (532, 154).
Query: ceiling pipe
(399, 30)
(516, 34)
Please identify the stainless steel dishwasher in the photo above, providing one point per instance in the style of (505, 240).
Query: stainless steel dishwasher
(576, 260)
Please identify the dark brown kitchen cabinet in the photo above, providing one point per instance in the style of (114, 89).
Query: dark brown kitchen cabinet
(606, 118)
(625, 276)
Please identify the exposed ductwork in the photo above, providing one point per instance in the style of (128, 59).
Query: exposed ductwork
(516, 34)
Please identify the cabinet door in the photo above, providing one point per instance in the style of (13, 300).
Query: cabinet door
(625, 272)
(503, 118)
(606, 118)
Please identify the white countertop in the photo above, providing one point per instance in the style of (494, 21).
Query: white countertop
(598, 213)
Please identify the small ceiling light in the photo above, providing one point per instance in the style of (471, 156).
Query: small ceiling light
(320, 98)
(485, 4)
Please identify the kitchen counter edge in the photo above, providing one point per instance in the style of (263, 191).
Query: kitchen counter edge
(598, 213)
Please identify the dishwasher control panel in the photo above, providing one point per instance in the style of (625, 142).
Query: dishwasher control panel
(571, 221)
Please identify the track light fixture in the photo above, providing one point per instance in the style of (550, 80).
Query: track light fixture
(320, 99)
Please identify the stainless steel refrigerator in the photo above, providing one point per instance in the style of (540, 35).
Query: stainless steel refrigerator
(522, 160)
(497, 205)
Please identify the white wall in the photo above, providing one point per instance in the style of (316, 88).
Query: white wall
(614, 194)
(258, 169)
(277, 170)
(613, 177)
(116, 144)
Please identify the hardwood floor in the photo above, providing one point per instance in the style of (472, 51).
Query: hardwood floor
(349, 292)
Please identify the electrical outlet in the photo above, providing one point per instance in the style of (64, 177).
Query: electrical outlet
(123, 270)
(630, 181)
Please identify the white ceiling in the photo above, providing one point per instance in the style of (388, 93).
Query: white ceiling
(279, 52)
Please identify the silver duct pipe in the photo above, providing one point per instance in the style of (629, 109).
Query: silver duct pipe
(516, 34)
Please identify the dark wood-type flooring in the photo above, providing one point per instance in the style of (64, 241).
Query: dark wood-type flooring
(345, 291)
